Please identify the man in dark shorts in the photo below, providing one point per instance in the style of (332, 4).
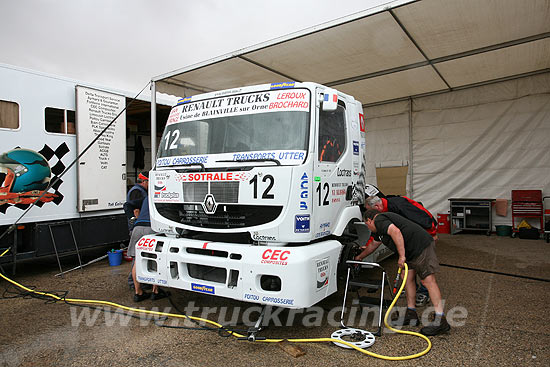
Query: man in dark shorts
(415, 247)
(411, 210)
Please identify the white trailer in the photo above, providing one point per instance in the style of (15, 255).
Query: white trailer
(255, 192)
(45, 121)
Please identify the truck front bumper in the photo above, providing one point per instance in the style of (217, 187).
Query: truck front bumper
(291, 277)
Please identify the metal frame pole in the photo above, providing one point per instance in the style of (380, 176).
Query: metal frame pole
(153, 122)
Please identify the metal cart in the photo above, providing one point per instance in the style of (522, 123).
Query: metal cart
(471, 215)
(527, 204)
(546, 205)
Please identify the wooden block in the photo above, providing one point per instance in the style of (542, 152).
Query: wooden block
(292, 349)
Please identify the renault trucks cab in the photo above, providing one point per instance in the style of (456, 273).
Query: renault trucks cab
(253, 193)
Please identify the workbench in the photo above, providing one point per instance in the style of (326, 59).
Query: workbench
(471, 215)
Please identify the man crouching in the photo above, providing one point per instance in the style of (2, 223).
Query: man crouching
(415, 247)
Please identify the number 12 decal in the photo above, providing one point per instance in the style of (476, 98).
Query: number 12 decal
(326, 187)
(175, 137)
(266, 194)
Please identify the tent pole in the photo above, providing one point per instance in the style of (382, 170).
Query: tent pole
(411, 187)
(153, 122)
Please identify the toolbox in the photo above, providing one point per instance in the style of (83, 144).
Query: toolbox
(527, 204)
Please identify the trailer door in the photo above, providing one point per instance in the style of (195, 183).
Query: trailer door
(102, 169)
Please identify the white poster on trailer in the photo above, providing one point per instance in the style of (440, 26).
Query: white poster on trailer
(102, 169)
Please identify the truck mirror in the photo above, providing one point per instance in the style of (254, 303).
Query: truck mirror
(330, 100)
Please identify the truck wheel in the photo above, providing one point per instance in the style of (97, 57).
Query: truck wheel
(350, 250)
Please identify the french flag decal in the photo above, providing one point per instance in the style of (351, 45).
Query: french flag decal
(334, 98)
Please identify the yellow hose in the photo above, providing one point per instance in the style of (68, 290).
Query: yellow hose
(297, 340)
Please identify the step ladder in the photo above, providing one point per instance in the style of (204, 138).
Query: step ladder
(376, 285)
(55, 246)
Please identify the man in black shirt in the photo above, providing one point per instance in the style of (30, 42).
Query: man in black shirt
(135, 197)
(415, 247)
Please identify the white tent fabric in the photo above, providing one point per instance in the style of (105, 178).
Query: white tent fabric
(402, 48)
(458, 91)
(477, 143)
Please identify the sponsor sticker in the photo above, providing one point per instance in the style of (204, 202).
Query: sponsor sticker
(251, 297)
(211, 176)
(276, 99)
(166, 197)
(145, 279)
(322, 273)
(275, 257)
(184, 100)
(277, 300)
(259, 237)
(301, 223)
(282, 85)
(361, 122)
(202, 288)
(355, 147)
(146, 244)
(304, 191)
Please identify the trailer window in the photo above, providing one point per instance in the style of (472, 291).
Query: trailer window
(332, 134)
(9, 115)
(60, 121)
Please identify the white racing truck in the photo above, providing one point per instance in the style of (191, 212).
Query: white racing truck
(254, 193)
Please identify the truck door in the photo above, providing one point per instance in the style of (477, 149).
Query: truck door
(333, 169)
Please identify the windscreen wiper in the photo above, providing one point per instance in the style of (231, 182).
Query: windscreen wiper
(193, 164)
(253, 160)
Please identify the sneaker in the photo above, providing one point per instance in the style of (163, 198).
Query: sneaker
(410, 318)
(160, 295)
(141, 297)
(422, 299)
(439, 326)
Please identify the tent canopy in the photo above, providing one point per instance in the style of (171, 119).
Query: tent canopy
(388, 53)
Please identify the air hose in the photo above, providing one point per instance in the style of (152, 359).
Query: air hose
(295, 340)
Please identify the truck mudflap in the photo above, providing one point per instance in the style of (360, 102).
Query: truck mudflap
(284, 276)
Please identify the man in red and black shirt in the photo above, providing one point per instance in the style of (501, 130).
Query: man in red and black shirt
(407, 208)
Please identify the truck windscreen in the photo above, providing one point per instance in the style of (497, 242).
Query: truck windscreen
(268, 125)
(237, 134)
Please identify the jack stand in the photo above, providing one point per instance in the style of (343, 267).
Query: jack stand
(251, 333)
(361, 338)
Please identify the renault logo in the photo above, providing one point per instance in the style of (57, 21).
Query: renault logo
(209, 205)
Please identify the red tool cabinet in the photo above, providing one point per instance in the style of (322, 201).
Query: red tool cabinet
(527, 204)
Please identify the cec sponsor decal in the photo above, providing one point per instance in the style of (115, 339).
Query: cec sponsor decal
(202, 288)
(322, 272)
(146, 244)
(301, 223)
(275, 257)
(362, 122)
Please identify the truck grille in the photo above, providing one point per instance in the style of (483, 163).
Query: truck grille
(224, 192)
(226, 216)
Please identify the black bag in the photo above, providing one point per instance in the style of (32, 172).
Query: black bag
(529, 233)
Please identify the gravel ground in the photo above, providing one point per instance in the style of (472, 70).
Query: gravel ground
(504, 318)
